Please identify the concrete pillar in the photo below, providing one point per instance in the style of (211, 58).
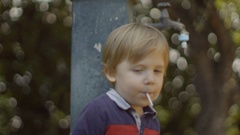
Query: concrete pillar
(93, 20)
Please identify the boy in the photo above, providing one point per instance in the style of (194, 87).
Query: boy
(135, 59)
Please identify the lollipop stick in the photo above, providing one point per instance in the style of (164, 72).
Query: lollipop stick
(149, 99)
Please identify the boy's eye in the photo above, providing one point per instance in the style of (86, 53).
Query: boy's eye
(158, 71)
(137, 70)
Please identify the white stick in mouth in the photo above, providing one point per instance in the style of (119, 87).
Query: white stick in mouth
(149, 99)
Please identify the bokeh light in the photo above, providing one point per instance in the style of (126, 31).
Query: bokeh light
(58, 2)
(173, 55)
(145, 20)
(50, 106)
(236, 37)
(43, 6)
(178, 82)
(67, 21)
(15, 13)
(182, 63)
(3, 87)
(5, 15)
(12, 102)
(211, 52)
(146, 3)
(236, 66)
(174, 39)
(236, 23)
(5, 28)
(22, 80)
(232, 7)
(186, 4)
(223, 13)
(217, 57)
(19, 80)
(63, 123)
(232, 120)
(194, 102)
(61, 67)
(191, 89)
(51, 18)
(16, 3)
(16, 123)
(212, 38)
(17, 50)
(174, 103)
(155, 13)
(168, 87)
(183, 96)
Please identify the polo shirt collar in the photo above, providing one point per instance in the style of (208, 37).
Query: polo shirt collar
(118, 99)
(113, 95)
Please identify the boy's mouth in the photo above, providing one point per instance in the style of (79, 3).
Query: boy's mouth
(146, 90)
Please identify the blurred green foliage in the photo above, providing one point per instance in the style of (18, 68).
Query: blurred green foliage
(229, 12)
(179, 103)
(35, 43)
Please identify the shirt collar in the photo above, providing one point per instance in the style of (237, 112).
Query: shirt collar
(118, 99)
(113, 95)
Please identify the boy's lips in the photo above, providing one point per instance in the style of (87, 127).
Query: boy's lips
(145, 93)
(149, 92)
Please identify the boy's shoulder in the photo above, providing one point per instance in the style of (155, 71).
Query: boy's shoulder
(101, 99)
(101, 102)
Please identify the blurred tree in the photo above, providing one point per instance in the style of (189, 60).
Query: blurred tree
(35, 42)
(214, 36)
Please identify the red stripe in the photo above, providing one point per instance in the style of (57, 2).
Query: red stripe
(128, 130)
(122, 130)
(150, 132)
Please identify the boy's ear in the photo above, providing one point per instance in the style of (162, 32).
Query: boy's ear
(110, 76)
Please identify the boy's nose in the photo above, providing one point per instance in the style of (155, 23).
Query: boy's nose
(149, 78)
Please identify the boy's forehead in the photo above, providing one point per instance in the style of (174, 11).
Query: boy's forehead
(135, 57)
(156, 58)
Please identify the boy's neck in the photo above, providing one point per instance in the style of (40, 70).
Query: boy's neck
(139, 110)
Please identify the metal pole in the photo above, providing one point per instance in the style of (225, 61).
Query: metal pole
(93, 20)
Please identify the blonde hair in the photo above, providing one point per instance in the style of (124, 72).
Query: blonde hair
(132, 42)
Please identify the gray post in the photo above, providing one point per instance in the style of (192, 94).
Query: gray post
(93, 20)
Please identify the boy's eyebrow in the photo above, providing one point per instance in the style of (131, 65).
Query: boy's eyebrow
(160, 66)
(142, 65)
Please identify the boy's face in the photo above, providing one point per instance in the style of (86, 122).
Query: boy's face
(134, 80)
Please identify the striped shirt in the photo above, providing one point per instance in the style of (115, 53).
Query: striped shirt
(110, 114)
